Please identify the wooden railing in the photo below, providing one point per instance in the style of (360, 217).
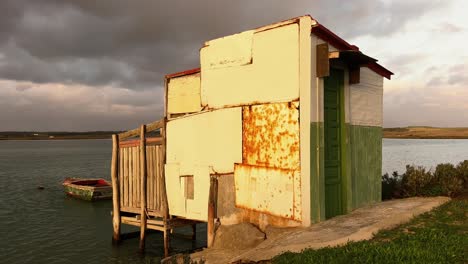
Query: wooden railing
(138, 182)
(130, 179)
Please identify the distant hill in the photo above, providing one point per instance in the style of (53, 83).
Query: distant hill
(32, 135)
(426, 132)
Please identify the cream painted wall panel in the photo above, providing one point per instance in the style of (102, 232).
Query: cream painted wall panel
(302, 191)
(316, 94)
(179, 205)
(366, 99)
(234, 50)
(183, 94)
(212, 139)
(268, 190)
(174, 189)
(273, 75)
(197, 208)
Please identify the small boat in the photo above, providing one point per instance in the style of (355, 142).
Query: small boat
(88, 189)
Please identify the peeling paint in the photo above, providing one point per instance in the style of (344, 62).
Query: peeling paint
(268, 190)
(270, 135)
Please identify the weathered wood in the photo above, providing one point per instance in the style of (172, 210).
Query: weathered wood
(143, 187)
(136, 177)
(135, 132)
(334, 55)
(354, 75)
(163, 183)
(126, 175)
(115, 189)
(136, 142)
(120, 174)
(166, 242)
(158, 177)
(194, 232)
(322, 61)
(151, 172)
(211, 211)
(131, 158)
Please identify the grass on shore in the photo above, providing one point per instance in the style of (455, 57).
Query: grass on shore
(439, 236)
(426, 132)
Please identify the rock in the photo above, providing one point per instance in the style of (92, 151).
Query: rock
(40, 187)
(177, 259)
(239, 236)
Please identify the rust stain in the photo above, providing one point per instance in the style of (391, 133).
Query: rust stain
(271, 191)
(270, 135)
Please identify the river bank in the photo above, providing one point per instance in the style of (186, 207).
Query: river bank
(31, 135)
(411, 132)
(426, 132)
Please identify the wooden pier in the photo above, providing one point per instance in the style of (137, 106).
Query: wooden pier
(139, 191)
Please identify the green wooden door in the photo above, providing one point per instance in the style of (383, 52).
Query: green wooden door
(332, 134)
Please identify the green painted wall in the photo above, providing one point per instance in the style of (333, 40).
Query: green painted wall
(317, 178)
(365, 153)
(362, 155)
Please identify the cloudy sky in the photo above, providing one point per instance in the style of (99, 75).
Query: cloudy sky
(80, 65)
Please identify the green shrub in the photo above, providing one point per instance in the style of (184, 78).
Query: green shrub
(447, 178)
(391, 186)
(462, 171)
(416, 181)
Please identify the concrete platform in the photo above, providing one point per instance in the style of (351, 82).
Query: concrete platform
(361, 224)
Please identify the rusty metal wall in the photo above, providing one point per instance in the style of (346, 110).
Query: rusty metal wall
(270, 135)
(268, 180)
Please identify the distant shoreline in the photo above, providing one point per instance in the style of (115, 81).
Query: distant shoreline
(393, 133)
(56, 135)
(426, 133)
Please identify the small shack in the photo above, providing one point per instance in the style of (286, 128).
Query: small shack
(280, 125)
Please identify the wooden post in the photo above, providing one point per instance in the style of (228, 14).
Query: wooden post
(143, 187)
(194, 232)
(115, 189)
(211, 212)
(165, 208)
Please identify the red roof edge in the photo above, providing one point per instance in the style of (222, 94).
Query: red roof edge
(327, 35)
(381, 70)
(183, 73)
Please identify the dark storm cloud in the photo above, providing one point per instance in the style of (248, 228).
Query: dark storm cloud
(133, 44)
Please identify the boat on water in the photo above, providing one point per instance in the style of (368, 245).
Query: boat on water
(88, 189)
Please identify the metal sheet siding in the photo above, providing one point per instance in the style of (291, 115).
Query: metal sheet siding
(268, 190)
(272, 75)
(366, 164)
(174, 189)
(212, 139)
(305, 88)
(366, 99)
(179, 205)
(270, 135)
(234, 50)
(183, 94)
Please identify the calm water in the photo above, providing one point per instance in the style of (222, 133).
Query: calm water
(48, 227)
(397, 153)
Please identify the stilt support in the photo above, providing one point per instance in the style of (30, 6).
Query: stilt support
(115, 189)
